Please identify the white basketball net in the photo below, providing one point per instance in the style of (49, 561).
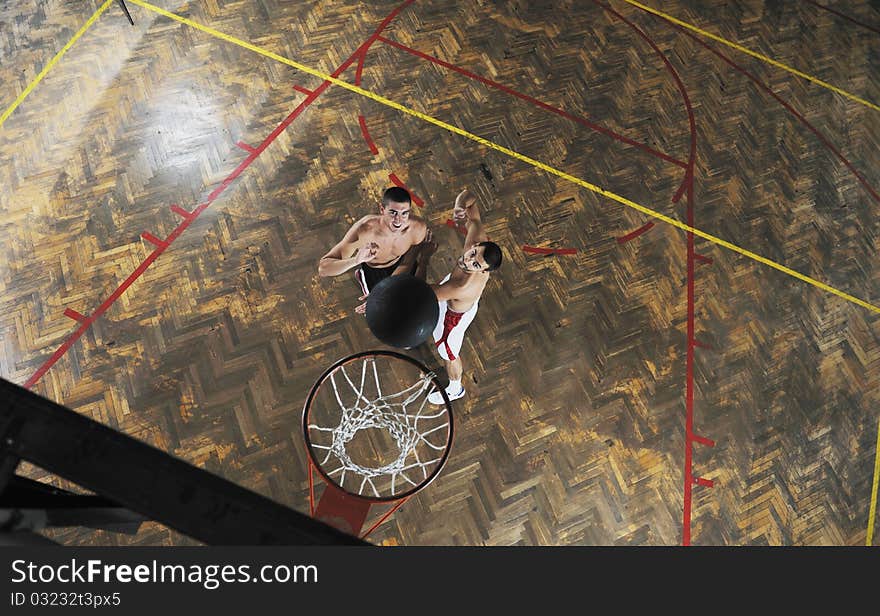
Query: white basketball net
(403, 415)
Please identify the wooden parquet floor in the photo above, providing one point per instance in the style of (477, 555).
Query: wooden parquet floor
(579, 366)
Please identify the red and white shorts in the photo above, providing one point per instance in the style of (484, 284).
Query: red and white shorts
(450, 328)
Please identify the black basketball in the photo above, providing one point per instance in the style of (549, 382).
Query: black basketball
(402, 311)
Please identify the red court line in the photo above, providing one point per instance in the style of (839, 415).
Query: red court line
(73, 314)
(59, 353)
(534, 101)
(782, 102)
(153, 239)
(303, 90)
(634, 234)
(703, 259)
(549, 251)
(181, 212)
(702, 345)
(366, 135)
(689, 389)
(396, 181)
(244, 146)
(687, 187)
(702, 440)
(687, 182)
(704, 482)
(360, 68)
(361, 120)
(190, 217)
(847, 17)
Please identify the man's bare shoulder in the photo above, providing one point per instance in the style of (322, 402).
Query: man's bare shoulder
(417, 222)
(417, 227)
(367, 224)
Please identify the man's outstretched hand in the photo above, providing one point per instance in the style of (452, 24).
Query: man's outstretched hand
(462, 202)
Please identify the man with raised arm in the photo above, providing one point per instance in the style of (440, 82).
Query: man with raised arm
(459, 292)
(379, 245)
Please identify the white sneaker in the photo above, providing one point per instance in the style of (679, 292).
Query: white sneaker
(437, 397)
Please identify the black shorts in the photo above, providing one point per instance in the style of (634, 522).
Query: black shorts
(368, 277)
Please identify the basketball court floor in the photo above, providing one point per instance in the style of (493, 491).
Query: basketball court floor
(682, 346)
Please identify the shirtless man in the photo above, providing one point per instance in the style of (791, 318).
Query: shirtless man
(379, 245)
(459, 292)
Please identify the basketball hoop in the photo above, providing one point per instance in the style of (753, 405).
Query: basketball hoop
(372, 435)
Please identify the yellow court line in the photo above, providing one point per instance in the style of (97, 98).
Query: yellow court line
(531, 161)
(754, 54)
(873, 511)
(44, 72)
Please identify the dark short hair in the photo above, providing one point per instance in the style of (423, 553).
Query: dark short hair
(395, 194)
(491, 255)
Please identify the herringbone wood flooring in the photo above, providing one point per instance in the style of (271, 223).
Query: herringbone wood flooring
(574, 427)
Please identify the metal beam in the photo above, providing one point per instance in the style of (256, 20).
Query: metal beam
(151, 482)
(59, 507)
(125, 8)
